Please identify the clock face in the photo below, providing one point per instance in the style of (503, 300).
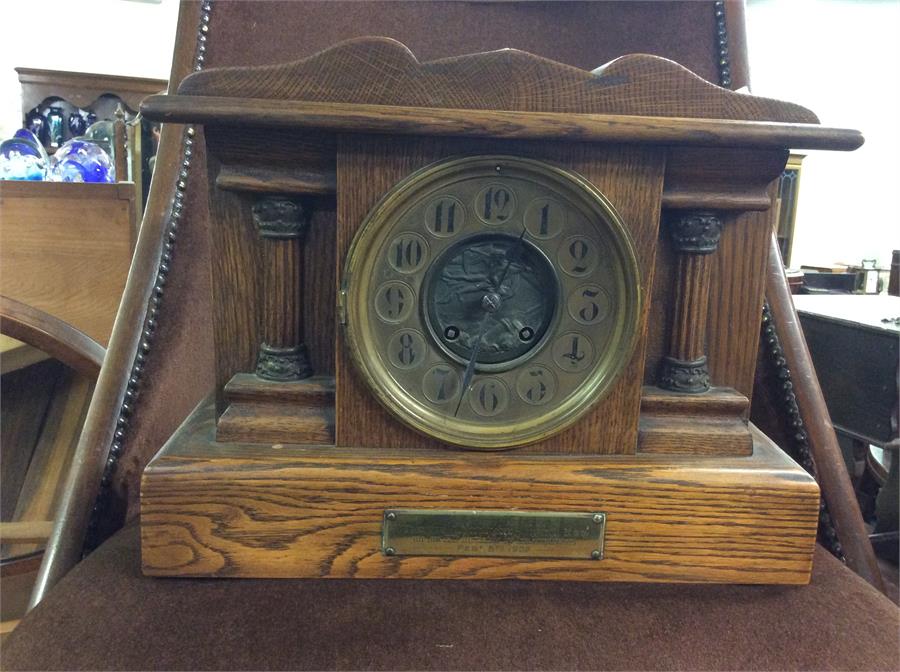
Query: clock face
(490, 301)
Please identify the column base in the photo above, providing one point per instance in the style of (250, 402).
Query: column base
(283, 364)
(677, 375)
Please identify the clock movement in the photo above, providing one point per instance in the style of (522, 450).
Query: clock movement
(485, 317)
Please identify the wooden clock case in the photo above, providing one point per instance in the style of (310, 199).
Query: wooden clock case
(288, 470)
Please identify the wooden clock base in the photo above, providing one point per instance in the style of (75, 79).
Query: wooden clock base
(242, 510)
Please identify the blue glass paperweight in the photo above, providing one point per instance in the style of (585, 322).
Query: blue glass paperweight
(22, 157)
(82, 161)
(77, 124)
(37, 124)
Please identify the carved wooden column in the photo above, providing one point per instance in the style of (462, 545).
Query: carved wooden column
(282, 225)
(695, 236)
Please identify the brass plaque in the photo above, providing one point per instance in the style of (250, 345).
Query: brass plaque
(511, 534)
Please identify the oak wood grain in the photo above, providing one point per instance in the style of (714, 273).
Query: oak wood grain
(231, 510)
(688, 342)
(266, 411)
(736, 287)
(282, 312)
(237, 289)
(377, 70)
(584, 127)
(359, 112)
(736, 294)
(710, 423)
(239, 294)
(378, 81)
(277, 181)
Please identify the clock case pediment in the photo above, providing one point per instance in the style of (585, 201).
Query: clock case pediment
(310, 148)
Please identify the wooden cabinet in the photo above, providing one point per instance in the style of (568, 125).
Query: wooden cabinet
(66, 249)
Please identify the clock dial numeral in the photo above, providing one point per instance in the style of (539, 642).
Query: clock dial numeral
(544, 218)
(407, 349)
(536, 385)
(495, 204)
(440, 384)
(407, 253)
(489, 397)
(394, 301)
(445, 216)
(589, 304)
(578, 256)
(573, 352)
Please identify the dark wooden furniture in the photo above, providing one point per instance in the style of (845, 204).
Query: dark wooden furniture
(854, 341)
(855, 346)
(83, 89)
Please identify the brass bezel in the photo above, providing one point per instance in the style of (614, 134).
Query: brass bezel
(415, 413)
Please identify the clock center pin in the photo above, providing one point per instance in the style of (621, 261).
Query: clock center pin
(491, 302)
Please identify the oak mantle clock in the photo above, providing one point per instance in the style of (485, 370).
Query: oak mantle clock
(484, 317)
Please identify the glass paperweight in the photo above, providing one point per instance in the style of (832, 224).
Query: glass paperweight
(28, 136)
(82, 161)
(56, 125)
(22, 157)
(37, 124)
(77, 124)
(101, 133)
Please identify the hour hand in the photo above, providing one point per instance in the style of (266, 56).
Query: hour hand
(490, 303)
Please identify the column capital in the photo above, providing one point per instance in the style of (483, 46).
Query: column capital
(695, 232)
(279, 218)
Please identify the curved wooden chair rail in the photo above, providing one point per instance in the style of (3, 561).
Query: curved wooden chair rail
(85, 356)
(58, 339)
(831, 472)
(66, 544)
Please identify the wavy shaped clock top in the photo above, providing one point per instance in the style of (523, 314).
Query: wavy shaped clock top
(382, 71)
